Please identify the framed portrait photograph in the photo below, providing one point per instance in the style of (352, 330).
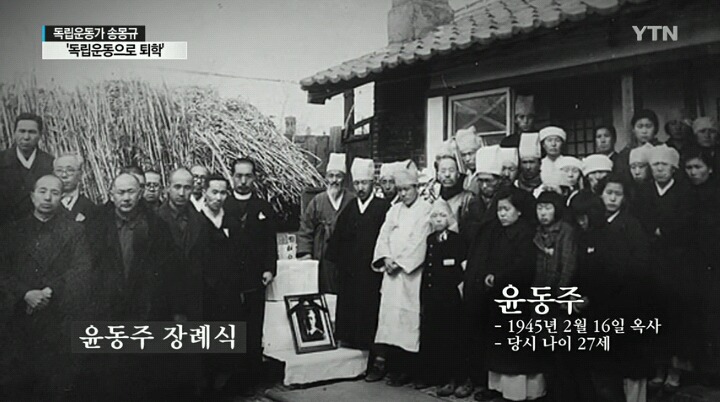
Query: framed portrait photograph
(309, 319)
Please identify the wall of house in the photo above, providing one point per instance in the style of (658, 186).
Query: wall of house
(398, 128)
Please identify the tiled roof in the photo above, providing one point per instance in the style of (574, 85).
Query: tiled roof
(483, 24)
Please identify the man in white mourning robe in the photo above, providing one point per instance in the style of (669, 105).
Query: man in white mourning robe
(399, 254)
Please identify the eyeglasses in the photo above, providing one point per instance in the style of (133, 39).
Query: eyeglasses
(59, 171)
(152, 185)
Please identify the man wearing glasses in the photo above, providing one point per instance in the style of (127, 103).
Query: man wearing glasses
(200, 174)
(68, 167)
(153, 190)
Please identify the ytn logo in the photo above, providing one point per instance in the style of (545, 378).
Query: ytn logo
(668, 33)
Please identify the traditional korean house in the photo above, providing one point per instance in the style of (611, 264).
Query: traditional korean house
(583, 61)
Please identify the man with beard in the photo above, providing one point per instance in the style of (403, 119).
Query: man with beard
(199, 174)
(399, 254)
(20, 167)
(44, 285)
(318, 222)
(529, 178)
(481, 211)
(153, 190)
(509, 161)
(451, 187)
(251, 226)
(134, 255)
(351, 248)
(467, 145)
(68, 167)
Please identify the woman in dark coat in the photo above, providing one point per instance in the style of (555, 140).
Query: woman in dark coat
(441, 314)
(587, 214)
(662, 208)
(614, 282)
(503, 254)
(557, 257)
(704, 259)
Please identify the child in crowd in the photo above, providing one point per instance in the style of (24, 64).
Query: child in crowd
(441, 351)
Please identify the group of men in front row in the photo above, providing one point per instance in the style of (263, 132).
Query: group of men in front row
(206, 253)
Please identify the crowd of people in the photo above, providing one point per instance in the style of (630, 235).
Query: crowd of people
(201, 249)
(417, 262)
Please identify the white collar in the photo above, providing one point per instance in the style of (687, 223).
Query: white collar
(69, 199)
(199, 203)
(362, 206)
(215, 219)
(26, 162)
(395, 200)
(613, 216)
(241, 197)
(338, 202)
(570, 197)
(662, 191)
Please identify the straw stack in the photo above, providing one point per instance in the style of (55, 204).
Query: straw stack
(119, 123)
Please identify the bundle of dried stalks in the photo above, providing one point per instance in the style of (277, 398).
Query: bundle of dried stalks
(119, 123)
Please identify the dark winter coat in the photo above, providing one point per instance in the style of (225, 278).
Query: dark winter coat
(479, 214)
(509, 254)
(193, 241)
(35, 255)
(218, 300)
(145, 294)
(253, 243)
(614, 262)
(16, 183)
(669, 273)
(703, 261)
(351, 249)
(442, 315)
(555, 268)
(84, 210)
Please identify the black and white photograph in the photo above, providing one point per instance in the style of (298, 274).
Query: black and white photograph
(310, 323)
(345, 200)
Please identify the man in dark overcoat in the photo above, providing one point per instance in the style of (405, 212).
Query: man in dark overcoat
(189, 232)
(351, 249)
(251, 224)
(44, 286)
(20, 167)
(134, 254)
